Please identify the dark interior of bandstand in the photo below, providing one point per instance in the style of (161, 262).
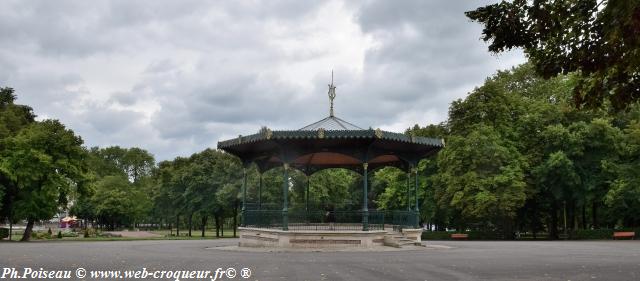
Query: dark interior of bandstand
(326, 144)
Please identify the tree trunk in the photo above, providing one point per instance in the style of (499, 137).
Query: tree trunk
(584, 216)
(222, 226)
(204, 224)
(216, 217)
(553, 225)
(594, 213)
(190, 225)
(574, 216)
(507, 229)
(534, 221)
(235, 217)
(10, 229)
(177, 225)
(27, 231)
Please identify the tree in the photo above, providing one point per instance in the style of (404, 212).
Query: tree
(163, 193)
(84, 207)
(13, 118)
(116, 202)
(624, 195)
(481, 175)
(601, 142)
(394, 189)
(45, 161)
(208, 172)
(558, 180)
(227, 187)
(333, 189)
(135, 163)
(598, 40)
(430, 212)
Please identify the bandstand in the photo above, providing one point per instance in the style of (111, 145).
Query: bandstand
(329, 143)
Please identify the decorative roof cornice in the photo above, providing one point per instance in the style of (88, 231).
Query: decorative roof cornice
(266, 134)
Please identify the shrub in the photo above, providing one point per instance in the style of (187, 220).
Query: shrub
(485, 235)
(69, 234)
(579, 234)
(587, 234)
(436, 235)
(40, 235)
(59, 234)
(109, 235)
(49, 231)
(90, 232)
(473, 235)
(4, 233)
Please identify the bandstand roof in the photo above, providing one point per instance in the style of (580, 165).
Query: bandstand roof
(330, 143)
(331, 123)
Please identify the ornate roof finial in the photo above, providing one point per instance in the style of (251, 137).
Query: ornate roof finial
(332, 94)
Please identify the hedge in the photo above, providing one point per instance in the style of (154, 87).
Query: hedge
(436, 235)
(599, 234)
(473, 235)
(579, 234)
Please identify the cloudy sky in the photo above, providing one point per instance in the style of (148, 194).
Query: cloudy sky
(174, 77)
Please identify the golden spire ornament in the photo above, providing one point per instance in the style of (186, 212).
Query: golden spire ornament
(332, 94)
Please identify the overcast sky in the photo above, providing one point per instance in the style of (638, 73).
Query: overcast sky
(174, 77)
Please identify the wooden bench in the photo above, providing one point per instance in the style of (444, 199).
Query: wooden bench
(459, 236)
(624, 234)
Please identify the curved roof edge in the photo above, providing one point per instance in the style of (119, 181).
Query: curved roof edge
(321, 133)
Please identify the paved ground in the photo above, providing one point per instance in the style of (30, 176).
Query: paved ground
(466, 260)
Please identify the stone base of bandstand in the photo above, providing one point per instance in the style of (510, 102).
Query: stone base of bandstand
(275, 238)
(413, 234)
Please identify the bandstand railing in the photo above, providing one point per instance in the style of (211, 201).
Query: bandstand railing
(330, 221)
(263, 206)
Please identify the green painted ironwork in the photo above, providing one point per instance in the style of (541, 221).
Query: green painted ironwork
(260, 193)
(244, 195)
(408, 196)
(306, 201)
(365, 208)
(330, 134)
(285, 199)
(400, 219)
(263, 218)
(417, 208)
(331, 221)
(263, 206)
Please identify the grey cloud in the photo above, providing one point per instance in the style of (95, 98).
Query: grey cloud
(426, 49)
(109, 121)
(199, 71)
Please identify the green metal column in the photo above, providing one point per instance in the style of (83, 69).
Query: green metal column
(409, 190)
(260, 193)
(244, 196)
(306, 202)
(365, 208)
(285, 199)
(415, 191)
